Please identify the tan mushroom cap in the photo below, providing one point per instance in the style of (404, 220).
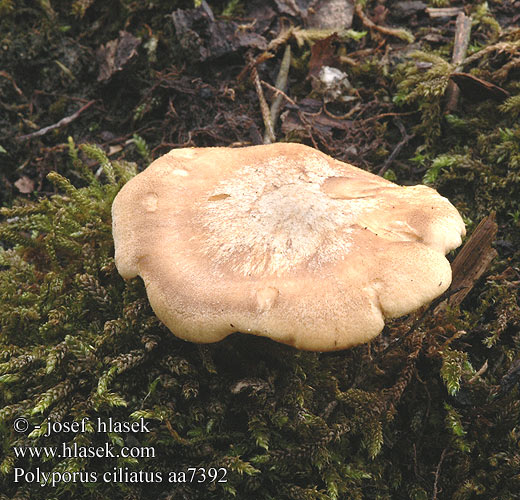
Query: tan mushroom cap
(281, 241)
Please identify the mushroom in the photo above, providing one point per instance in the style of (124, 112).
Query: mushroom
(280, 241)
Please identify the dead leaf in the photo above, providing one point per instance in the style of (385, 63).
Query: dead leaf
(322, 54)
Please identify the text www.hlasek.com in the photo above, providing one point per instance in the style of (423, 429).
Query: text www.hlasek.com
(75, 451)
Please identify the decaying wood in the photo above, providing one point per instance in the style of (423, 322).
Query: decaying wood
(460, 47)
(473, 260)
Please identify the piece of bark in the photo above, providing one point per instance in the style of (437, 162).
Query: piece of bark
(462, 35)
(473, 260)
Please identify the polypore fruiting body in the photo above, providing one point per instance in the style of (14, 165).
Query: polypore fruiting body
(281, 241)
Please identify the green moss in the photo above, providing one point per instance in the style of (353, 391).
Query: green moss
(422, 82)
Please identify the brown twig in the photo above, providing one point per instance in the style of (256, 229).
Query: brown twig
(175, 434)
(384, 115)
(437, 473)
(61, 123)
(345, 116)
(509, 47)
(399, 33)
(348, 60)
(5, 74)
(278, 92)
(400, 145)
(460, 47)
(253, 63)
(481, 370)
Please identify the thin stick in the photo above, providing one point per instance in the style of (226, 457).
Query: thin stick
(437, 473)
(348, 60)
(264, 108)
(434, 12)
(481, 370)
(278, 92)
(460, 47)
(510, 47)
(281, 85)
(397, 150)
(61, 123)
(399, 33)
(5, 74)
(384, 115)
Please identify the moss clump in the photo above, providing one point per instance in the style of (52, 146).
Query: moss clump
(422, 82)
